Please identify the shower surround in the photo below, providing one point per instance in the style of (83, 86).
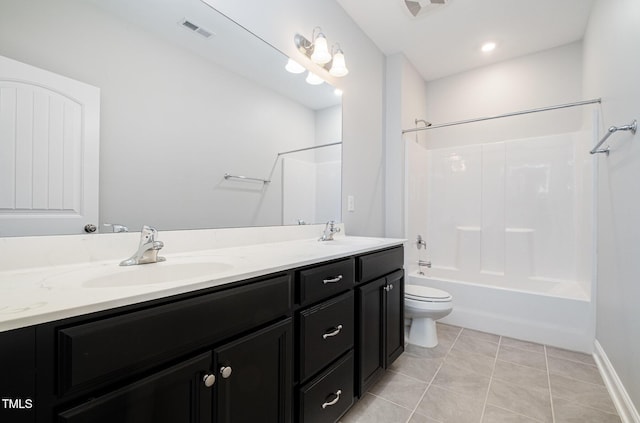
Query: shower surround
(509, 233)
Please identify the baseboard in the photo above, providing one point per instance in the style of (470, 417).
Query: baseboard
(619, 395)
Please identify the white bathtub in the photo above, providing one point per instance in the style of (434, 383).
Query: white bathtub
(564, 321)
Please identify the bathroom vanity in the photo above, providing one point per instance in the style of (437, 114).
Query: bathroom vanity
(293, 343)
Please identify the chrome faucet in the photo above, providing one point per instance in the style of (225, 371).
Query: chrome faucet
(330, 229)
(117, 228)
(147, 250)
(420, 243)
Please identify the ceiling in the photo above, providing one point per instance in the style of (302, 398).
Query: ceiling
(446, 39)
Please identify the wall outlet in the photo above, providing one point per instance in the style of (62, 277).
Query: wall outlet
(351, 203)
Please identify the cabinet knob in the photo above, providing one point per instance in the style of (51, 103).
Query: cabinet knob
(332, 280)
(225, 372)
(334, 332)
(209, 380)
(334, 401)
(388, 287)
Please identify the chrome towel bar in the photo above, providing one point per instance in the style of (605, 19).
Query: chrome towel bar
(633, 126)
(246, 178)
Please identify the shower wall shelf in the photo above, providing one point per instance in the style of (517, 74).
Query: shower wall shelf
(633, 126)
(245, 178)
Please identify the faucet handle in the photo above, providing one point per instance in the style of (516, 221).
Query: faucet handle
(148, 234)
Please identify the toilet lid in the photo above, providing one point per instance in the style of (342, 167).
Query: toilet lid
(425, 293)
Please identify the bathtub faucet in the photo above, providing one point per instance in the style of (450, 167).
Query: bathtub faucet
(420, 243)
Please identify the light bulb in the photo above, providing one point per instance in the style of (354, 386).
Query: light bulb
(313, 79)
(338, 66)
(321, 53)
(294, 67)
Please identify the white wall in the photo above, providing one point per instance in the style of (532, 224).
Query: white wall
(611, 71)
(277, 22)
(405, 101)
(541, 79)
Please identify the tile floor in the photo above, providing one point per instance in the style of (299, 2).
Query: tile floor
(476, 377)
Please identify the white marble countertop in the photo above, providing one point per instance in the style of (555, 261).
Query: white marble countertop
(33, 295)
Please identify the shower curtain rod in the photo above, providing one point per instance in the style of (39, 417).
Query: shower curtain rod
(522, 112)
(309, 148)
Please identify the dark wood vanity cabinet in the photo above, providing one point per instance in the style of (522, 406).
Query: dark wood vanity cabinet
(243, 381)
(380, 315)
(297, 346)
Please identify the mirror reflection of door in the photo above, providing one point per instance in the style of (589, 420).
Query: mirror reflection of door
(49, 144)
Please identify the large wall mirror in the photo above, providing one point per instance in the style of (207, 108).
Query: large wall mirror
(181, 105)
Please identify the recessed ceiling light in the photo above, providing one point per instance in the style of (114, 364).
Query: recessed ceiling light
(487, 47)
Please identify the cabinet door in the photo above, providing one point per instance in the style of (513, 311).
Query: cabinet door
(177, 394)
(18, 380)
(370, 311)
(254, 381)
(394, 316)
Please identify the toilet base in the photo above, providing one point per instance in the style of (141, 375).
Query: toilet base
(423, 332)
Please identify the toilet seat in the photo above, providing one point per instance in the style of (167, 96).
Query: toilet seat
(426, 294)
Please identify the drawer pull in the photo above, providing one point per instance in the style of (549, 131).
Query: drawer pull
(209, 380)
(332, 333)
(334, 401)
(332, 280)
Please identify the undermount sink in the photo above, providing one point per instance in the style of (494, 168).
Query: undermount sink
(113, 276)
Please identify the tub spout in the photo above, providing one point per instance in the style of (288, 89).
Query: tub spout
(424, 263)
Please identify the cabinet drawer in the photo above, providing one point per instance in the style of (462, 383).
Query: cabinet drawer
(375, 265)
(328, 397)
(326, 332)
(110, 349)
(323, 281)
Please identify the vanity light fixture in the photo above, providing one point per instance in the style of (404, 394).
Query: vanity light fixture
(294, 67)
(317, 50)
(313, 79)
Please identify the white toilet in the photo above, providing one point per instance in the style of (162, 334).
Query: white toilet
(422, 307)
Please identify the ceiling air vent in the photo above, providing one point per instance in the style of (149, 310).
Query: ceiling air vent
(418, 7)
(196, 28)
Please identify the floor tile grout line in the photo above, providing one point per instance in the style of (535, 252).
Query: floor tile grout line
(546, 360)
(573, 361)
(434, 376)
(388, 400)
(516, 413)
(486, 396)
(575, 379)
(590, 407)
(409, 376)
